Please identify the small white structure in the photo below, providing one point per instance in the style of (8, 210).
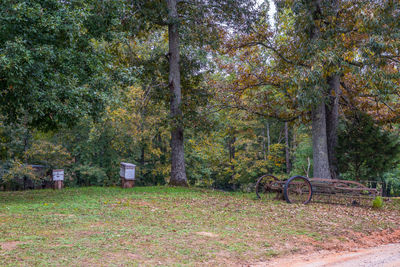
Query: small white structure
(58, 175)
(127, 173)
(58, 178)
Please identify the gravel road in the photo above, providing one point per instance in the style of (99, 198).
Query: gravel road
(382, 256)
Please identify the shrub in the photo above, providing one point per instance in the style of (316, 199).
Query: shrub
(90, 175)
(377, 203)
(48, 154)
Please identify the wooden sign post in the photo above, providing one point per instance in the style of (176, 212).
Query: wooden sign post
(58, 178)
(127, 173)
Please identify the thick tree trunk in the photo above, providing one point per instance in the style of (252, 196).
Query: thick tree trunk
(178, 172)
(324, 119)
(319, 142)
(332, 121)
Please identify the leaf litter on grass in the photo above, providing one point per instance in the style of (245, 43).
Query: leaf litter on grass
(147, 225)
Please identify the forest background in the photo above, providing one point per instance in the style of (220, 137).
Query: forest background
(85, 85)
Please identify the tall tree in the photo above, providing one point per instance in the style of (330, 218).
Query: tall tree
(320, 54)
(178, 171)
(193, 25)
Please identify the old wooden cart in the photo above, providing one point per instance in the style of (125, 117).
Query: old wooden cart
(299, 189)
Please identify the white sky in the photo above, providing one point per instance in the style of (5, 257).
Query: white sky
(271, 12)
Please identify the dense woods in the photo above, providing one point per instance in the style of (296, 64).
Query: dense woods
(203, 92)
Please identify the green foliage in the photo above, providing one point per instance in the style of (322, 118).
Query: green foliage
(234, 153)
(391, 180)
(377, 203)
(91, 175)
(14, 139)
(19, 170)
(303, 162)
(57, 59)
(48, 154)
(51, 70)
(365, 151)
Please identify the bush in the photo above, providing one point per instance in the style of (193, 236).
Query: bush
(48, 154)
(377, 203)
(91, 175)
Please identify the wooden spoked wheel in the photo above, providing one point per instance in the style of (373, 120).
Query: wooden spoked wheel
(266, 187)
(298, 189)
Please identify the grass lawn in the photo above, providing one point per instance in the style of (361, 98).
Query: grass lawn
(171, 226)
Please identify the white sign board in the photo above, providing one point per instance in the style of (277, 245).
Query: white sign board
(58, 175)
(129, 174)
(127, 171)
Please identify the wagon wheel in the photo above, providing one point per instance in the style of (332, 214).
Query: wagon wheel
(298, 189)
(266, 186)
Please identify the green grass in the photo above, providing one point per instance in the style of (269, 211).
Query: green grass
(168, 226)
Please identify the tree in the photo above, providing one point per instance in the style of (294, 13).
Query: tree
(365, 151)
(318, 54)
(178, 171)
(51, 69)
(195, 24)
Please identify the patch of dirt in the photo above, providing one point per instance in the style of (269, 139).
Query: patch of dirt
(207, 234)
(64, 215)
(123, 255)
(140, 203)
(10, 245)
(89, 233)
(385, 256)
(353, 241)
(224, 258)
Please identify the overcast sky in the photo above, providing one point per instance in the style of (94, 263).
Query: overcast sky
(272, 10)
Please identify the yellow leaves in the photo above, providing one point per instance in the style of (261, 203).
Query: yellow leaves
(19, 170)
(369, 52)
(343, 36)
(48, 154)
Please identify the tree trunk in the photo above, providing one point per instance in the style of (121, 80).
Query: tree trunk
(142, 152)
(294, 142)
(268, 139)
(388, 189)
(178, 172)
(384, 188)
(287, 154)
(319, 142)
(332, 121)
(321, 115)
(232, 151)
(263, 145)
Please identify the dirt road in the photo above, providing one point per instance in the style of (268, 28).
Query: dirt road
(382, 256)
